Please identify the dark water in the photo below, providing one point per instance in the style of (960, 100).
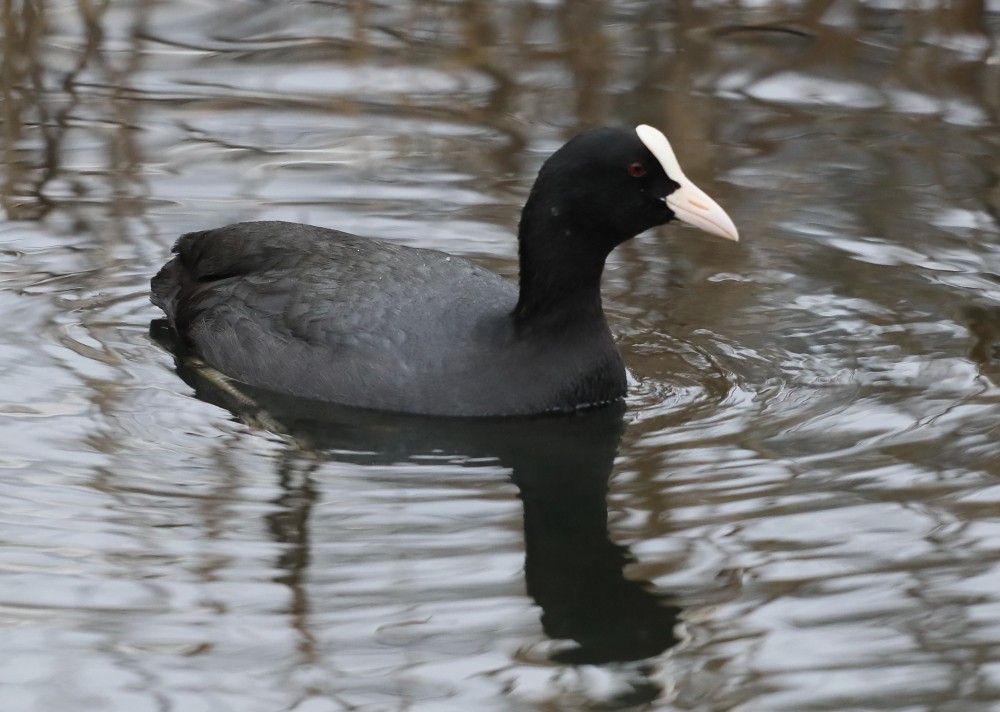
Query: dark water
(806, 475)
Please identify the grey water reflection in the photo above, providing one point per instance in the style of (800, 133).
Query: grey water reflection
(809, 459)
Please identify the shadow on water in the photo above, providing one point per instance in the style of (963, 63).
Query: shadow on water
(561, 467)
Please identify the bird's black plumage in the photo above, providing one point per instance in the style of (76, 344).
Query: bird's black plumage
(323, 314)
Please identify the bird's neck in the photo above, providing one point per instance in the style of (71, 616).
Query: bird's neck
(560, 269)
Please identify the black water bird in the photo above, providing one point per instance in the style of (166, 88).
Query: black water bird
(326, 315)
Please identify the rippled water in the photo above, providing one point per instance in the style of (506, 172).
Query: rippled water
(806, 473)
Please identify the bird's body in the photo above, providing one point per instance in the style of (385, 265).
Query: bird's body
(288, 307)
(323, 314)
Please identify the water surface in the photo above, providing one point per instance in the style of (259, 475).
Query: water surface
(805, 476)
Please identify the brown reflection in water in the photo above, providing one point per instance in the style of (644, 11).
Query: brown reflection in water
(984, 325)
(21, 84)
(586, 44)
(125, 157)
(40, 122)
(289, 526)
(656, 64)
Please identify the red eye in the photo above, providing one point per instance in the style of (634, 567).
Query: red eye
(637, 170)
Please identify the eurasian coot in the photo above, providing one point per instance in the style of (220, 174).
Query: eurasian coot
(323, 314)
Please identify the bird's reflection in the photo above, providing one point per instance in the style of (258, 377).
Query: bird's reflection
(575, 573)
(561, 466)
